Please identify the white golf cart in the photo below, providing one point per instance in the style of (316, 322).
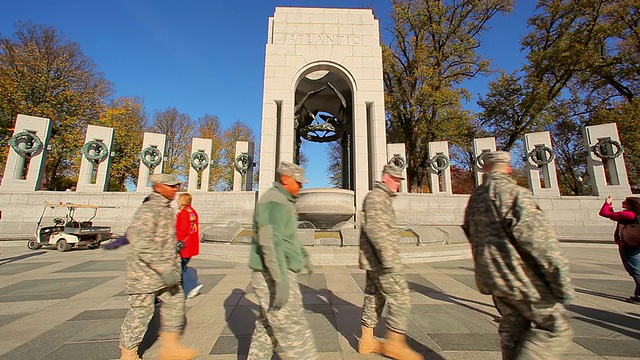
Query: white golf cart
(68, 233)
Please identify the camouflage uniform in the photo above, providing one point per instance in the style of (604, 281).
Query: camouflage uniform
(286, 328)
(524, 270)
(276, 256)
(379, 246)
(152, 256)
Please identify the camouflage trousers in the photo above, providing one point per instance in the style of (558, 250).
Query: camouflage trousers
(529, 331)
(386, 286)
(141, 309)
(286, 328)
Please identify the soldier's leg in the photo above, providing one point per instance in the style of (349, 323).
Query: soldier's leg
(290, 326)
(395, 289)
(551, 335)
(171, 324)
(374, 301)
(171, 309)
(512, 329)
(134, 326)
(263, 342)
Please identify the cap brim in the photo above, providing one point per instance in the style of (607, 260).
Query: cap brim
(172, 183)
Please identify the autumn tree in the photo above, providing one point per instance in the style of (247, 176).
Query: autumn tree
(179, 129)
(209, 128)
(238, 131)
(582, 52)
(334, 168)
(127, 117)
(43, 74)
(432, 51)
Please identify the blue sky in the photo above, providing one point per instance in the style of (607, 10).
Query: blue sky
(208, 56)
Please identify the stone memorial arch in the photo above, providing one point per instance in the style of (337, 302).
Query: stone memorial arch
(323, 83)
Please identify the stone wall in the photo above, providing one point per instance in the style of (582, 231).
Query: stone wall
(436, 218)
(572, 217)
(21, 211)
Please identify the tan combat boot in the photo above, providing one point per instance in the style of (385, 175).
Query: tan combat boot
(368, 343)
(129, 354)
(171, 349)
(395, 347)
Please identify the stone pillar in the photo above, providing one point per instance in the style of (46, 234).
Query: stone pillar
(605, 161)
(153, 146)
(94, 170)
(397, 155)
(543, 180)
(199, 165)
(345, 44)
(440, 180)
(245, 152)
(24, 170)
(481, 146)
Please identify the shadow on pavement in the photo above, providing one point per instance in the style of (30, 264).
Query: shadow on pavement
(21, 257)
(596, 293)
(240, 326)
(619, 323)
(346, 320)
(426, 291)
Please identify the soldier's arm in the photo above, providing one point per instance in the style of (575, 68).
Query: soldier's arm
(268, 222)
(146, 243)
(535, 237)
(381, 231)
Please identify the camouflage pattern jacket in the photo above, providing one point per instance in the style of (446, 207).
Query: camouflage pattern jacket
(152, 235)
(379, 238)
(528, 265)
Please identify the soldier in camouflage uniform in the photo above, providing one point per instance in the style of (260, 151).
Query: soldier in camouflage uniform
(276, 257)
(153, 273)
(518, 261)
(385, 282)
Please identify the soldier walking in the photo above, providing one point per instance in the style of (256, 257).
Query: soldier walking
(153, 273)
(385, 282)
(519, 262)
(276, 257)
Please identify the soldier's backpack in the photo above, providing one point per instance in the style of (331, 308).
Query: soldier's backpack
(630, 234)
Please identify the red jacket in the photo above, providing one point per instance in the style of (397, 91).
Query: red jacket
(188, 230)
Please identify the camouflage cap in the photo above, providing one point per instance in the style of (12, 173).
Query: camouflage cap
(497, 157)
(166, 179)
(393, 171)
(293, 170)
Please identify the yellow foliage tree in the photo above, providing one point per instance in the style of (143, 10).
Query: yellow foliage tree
(127, 116)
(43, 74)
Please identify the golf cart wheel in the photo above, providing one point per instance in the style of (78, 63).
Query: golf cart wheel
(62, 245)
(33, 245)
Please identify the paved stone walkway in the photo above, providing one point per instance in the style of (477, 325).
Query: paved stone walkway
(70, 305)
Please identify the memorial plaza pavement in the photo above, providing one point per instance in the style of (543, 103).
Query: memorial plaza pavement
(70, 305)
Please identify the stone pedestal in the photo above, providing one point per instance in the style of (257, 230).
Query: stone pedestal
(480, 146)
(150, 141)
(24, 172)
(543, 180)
(440, 180)
(608, 174)
(94, 173)
(199, 164)
(397, 155)
(244, 153)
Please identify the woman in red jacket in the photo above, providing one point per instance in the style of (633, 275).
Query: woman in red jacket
(629, 253)
(188, 232)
